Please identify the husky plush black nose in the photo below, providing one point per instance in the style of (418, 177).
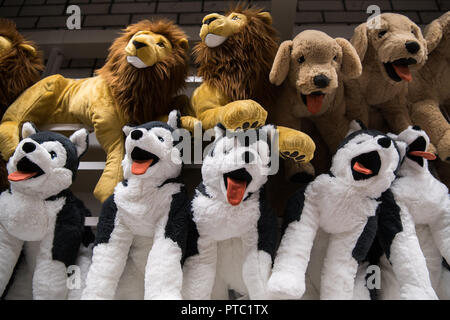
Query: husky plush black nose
(384, 142)
(28, 147)
(136, 134)
(412, 47)
(208, 21)
(321, 81)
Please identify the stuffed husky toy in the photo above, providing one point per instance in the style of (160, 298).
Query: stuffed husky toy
(345, 203)
(39, 213)
(233, 236)
(427, 201)
(145, 218)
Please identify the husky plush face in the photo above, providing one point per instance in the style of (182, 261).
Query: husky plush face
(45, 163)
(367, 159)
(238, 163)
(150, 151)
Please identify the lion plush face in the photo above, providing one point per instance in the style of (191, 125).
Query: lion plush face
(20, 64)
(146, 68)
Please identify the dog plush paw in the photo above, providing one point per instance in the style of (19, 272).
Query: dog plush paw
(295, 145)
(443, 147)
(243, 114)
(286, 285)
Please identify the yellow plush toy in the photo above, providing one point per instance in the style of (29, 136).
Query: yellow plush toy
(146, 67)
(234, 58)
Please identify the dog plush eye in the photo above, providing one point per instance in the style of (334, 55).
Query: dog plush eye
(301, 59)
(335, 58)
(381, 34)
(53, 154)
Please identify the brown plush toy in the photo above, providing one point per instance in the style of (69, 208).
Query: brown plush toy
(145, 69)
(234, 58)
(430, 89)
(389, 54)
(311, 69)
(20, 67)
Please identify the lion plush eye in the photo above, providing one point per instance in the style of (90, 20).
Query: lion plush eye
(160, 44)
(235, 18)
(381, 34)
(301, 59)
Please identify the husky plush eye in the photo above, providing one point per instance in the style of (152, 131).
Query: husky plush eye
(53, 154)
(161, 139)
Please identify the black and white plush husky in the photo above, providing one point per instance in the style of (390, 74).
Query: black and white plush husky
(145, 219)
(233, 236)
(39, 214)
(344, 203)
(426, 199)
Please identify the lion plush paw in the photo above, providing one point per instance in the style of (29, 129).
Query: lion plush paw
(243, 114)
(443, 147)
(295, 145)
(189, 123)
(9, 139)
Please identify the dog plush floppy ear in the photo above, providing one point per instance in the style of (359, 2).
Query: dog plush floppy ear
(28, 129)
(280, 67)
(433, 34)
(360, 40)
(80, 139)
(351, 64)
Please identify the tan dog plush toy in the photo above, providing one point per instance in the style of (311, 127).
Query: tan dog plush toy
(430, 90)
(20, 67)
(389, 53)
(311, 69)
(234, 58)
(145, 69)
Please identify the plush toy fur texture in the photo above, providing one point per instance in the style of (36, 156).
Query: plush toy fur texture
(388, 55)
(310, 70)
(39, 213)
(233, 233)
(344, 203)
(120, 94)
(20, 67)
(236, 88)
(143, 226)
(426, 202)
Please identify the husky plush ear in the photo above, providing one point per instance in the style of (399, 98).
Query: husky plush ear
(127, 130)
(80, 139)
(355, 125)
(219, 131)
(174, 119)
(402, 148)
(28, 129)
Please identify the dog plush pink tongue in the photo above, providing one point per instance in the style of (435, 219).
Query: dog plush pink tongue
(235, 191)
(314, 103)
(140, 167)
(403, 72)
(20, 176)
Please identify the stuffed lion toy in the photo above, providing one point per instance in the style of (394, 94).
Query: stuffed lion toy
(20, 67)
(390, 53)
(234, 58)
(146, 67)
(429, 94)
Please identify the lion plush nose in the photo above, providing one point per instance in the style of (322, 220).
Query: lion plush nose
(321, 81)
(138, 44)
(209, 20)
(412, 47)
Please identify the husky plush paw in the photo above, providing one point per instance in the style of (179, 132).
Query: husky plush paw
(295, 145)
(243, 114)
(285, 285)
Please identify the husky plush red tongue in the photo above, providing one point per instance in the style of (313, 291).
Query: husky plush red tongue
(314, 103)
(403, 72)
(235, 191)
(20, 176)
(140, 167)
(423, 154)
(361, 169)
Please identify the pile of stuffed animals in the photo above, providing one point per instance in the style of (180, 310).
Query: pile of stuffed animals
(355, 123)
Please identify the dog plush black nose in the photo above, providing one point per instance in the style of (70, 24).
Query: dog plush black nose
(321, 81)
(28, 147)
(138, 44)
(208, 21)
(384, 142)
(412, 47)
(248, 156)
(136, 134)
